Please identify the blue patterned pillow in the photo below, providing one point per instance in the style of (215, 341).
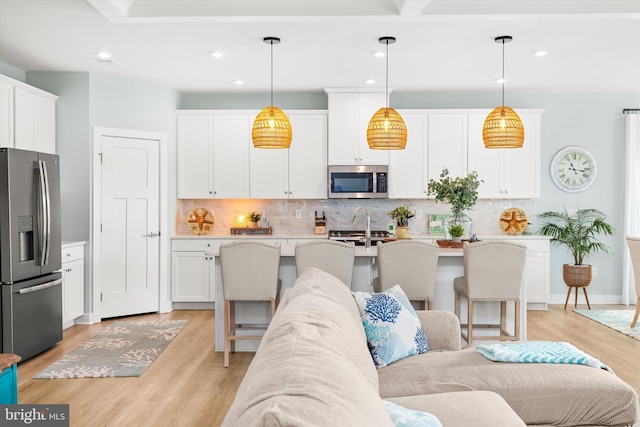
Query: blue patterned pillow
(392, 327)
(403, 417)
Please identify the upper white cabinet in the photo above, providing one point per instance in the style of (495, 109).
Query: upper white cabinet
(213, 155)
(507, 173)
(349, 116)
(447, 144)
(299, 172)
(27, 117)
(408, 168)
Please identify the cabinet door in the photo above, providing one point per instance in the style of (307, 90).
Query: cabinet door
(195, 156)
(25, 119)
(486, 161)
(191, 277)
(232, 139)
(72, 290)
(522, 165)
(343, 115)
(368, 104)
(6, 114)
(408, 167)
(269, 172)
(45, 123)
(308, 157)
(447, 145)
(537, 278)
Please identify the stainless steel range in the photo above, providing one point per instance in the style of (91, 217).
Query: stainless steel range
(358, 236)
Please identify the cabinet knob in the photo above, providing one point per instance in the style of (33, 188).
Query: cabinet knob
(210, 192)
(208, 244)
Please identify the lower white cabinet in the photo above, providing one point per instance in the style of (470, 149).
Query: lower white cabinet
(192, 277)
(72, 282)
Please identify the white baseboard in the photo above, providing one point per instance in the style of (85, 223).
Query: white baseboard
(194, 305)
(593, 299)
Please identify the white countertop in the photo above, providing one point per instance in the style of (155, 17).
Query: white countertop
(69, 243)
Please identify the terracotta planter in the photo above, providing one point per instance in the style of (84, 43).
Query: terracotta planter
(403, 233)
(576, 275)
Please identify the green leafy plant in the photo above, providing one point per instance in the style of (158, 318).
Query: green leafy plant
(401, 215)
(578, 232)
(460, 192)
(254, 216)
(456, 230)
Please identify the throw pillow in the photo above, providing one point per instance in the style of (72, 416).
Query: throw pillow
(392, 327)
(403, 417)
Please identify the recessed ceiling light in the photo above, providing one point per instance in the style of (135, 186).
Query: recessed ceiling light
(501, 80)
(378, 54)
(540, 52)
(104, 55)
(369, 81)
(217, 54)
(238, 82)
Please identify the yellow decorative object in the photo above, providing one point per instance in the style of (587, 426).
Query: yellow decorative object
(271, 129)
(503, 128)
(513, 221)
(387, 130)
(200, 221)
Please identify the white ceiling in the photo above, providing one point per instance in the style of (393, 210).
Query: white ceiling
(441, 44)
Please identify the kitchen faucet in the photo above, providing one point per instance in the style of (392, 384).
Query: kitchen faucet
(367, 233)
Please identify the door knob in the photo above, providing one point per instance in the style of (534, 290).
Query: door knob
(152, 234)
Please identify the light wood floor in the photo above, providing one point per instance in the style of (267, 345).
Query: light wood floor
(187, 385)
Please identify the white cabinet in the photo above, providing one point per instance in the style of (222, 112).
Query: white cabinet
(299, 172)
(213, 155)
(192, 271)
(447, 144)
(408, 168)
(72, 282)
(195, 156)
(27, 117)
(507, 173)
(349, 116)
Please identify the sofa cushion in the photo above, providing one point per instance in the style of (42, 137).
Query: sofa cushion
(312, 367)
(405, 417)
(562, 395)
(392, 327)
(466, 408)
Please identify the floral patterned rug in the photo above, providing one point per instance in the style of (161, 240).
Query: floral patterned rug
(123, 349)
(619, 320)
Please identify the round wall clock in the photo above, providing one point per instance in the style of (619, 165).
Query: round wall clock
(573, 169)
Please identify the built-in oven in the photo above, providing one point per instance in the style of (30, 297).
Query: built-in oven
(358, 182)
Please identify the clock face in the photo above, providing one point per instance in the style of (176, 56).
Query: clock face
(573, 169)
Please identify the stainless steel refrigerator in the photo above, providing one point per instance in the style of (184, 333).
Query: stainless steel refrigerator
(30, 252)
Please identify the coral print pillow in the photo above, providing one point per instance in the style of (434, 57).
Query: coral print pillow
(392, 327)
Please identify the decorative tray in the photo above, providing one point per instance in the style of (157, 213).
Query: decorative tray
(200, 221)
(513, 221)
(451, 244)
(251, 230)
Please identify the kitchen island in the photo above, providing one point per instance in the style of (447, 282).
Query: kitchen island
(450, 265)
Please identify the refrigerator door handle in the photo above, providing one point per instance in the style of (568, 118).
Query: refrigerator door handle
(40, 287)
(45, 212)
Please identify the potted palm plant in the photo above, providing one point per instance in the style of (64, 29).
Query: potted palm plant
(401, 216)
(579, 233)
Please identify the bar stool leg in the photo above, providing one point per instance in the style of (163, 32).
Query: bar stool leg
(226, 333)
(469, 321)
(516, 322)
(232, 325)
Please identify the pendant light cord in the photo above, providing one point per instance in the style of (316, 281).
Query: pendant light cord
(271, 43)
(503, 81)
(386, 84)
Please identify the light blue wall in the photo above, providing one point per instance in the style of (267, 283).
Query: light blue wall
(13, 72)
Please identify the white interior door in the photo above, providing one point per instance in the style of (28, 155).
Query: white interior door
(130, 226)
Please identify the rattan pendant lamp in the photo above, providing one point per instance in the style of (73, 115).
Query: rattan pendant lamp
(503, 127)
(271, 128)
(387, 130)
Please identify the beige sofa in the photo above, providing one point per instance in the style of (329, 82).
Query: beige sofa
(313, 368)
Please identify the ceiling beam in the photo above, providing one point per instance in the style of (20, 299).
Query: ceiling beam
(112, 8)
(411, 7)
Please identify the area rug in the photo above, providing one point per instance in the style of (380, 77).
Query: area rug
(619, 320)
(123, 349)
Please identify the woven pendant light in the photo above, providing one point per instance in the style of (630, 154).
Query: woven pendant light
(271, 128)
(387, 130)
(503, 128)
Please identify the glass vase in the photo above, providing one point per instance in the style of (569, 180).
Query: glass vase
(461, 219)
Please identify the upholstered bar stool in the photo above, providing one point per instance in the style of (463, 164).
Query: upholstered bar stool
(336, 258)
(634, 251)
(249, 272)
(410, 264)
(493, 271)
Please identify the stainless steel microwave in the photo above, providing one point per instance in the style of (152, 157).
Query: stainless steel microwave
(358, 182)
